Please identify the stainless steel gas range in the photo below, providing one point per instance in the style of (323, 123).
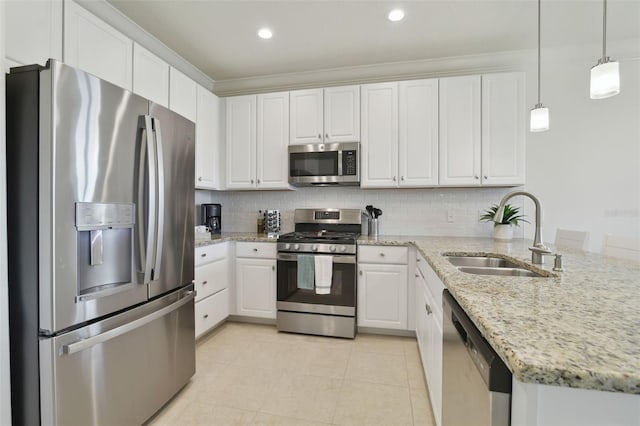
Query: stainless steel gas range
(317, 273)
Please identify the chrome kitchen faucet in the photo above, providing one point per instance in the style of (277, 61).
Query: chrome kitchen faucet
(538, 250)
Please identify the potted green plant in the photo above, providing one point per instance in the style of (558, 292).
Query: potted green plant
(503, 231)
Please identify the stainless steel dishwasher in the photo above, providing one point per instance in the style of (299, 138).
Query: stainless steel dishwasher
(476, 383)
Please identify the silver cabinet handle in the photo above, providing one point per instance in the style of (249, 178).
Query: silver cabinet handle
(83, 344)
(428, 309)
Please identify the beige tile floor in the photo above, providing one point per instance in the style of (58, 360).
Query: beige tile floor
(249, 374)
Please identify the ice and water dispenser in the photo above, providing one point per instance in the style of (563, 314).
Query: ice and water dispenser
(105, 244)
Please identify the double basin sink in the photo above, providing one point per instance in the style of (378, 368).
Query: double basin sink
(487, 265)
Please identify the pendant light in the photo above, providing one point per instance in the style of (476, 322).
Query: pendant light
(605, 75)
(539, 114)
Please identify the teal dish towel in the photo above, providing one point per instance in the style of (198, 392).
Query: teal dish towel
(306, 272)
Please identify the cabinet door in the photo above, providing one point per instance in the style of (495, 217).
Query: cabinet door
(182, 94)
(342, 114)
(379, 147)
(503, 129)
(94, 46)
(272, 141)
(33, 31)
(256, 287)
(150, 76)
(460, 131)
(382, 296)
(241, 142)
(208, 143)
(306, 123)
(418, 133)
(434, 367)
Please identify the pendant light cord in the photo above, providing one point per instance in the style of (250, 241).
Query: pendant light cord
(604, 32)
(539, 52)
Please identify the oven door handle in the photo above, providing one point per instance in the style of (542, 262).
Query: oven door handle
(293, 257)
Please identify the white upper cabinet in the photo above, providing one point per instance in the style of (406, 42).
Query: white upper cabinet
(418, 133)
(379, 147)
(241, 142)
(182, 94)
(503, 129)
(33, 31)
(460, 136)
(150, 76)
(94, 46)
(306, 116)
(325, 115)
(208, 140)
(342, 114)
(272, 141)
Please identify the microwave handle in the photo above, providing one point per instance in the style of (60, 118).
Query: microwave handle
(340, 163)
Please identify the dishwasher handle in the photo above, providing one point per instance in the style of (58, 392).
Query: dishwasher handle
(493, 370)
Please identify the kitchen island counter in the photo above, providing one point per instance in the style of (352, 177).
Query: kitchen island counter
(579, 328)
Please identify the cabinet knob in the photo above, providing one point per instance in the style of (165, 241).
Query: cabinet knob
(381, 254)
(485, 177)
(477, 177)
(255, 249)
(394, 178)
(252, 180)
(402, 178)
(203, 255)
(428, 309)
(199, 178)
(204, 282)
(273, 268)
(319, 137)
(205, 316)
(417, 276)
(360, 271)
(326, 135)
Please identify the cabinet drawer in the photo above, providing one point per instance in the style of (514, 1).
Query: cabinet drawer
(383, 254)
(211, 311)
(256, 250)
(211, 278)
(210, 253)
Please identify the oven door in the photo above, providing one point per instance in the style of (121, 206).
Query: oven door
(340, 301)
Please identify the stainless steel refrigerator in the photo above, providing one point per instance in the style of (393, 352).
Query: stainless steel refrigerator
(100, 231)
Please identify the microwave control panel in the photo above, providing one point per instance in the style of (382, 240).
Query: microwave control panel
(349, 167)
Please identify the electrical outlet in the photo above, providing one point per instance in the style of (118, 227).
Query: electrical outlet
(450, 216)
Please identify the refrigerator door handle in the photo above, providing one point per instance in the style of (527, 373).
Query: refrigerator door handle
(126, 328)
(160, 206)
(147, 146)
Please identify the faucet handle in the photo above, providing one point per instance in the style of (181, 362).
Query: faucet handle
(541, 248)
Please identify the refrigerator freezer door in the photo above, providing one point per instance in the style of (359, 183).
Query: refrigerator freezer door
(121, 370)
(175, 141)
(89, 143)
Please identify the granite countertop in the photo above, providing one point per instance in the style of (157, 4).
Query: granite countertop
(235, 236)
(580, 328)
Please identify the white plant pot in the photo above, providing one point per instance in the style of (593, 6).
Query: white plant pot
(503, 232)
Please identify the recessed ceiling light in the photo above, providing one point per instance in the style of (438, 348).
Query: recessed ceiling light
(395, 15)
(265, 33)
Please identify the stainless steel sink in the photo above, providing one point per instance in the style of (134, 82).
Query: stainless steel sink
(493, 262)
(486, 265)
(509, 272)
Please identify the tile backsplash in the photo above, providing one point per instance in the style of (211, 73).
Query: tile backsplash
(437, 211)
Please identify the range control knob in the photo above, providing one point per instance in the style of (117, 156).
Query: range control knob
(342, 248)
(287, 246)
(332, 248)
(314, 247)
(296, 246)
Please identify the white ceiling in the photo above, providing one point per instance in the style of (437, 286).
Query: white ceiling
(219, 36)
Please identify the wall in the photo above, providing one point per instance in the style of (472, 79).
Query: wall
(586, 168)
(5, 396)
(405, 211)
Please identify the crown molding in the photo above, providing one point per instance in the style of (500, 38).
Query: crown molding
(115, 18)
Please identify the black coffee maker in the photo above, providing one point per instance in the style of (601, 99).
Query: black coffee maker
(211, 216)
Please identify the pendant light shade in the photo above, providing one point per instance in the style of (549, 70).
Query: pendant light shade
(539, 119)
(605, 75)
(539, 114)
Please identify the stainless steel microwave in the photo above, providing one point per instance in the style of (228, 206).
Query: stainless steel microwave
(324, 164)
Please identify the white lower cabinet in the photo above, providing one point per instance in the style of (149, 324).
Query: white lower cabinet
(212, 281)
(429, 331)
(382, 287)
(256, 279)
